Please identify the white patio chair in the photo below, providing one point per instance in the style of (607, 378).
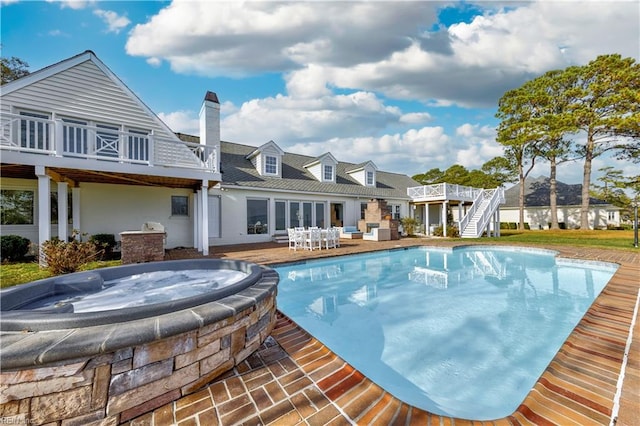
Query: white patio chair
(295, 239)
(313, 239)
(329, 238)
(336, 232)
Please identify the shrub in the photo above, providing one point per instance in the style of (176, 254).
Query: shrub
(106, 242)
(452, 231)
(409, 225)
(63, 258)
(13, 247)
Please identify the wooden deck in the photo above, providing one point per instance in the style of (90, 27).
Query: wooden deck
(294, 379)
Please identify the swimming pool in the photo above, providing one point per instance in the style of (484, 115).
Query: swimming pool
(462, 332)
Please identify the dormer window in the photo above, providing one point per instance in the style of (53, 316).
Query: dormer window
(270, 165)
(328, 172)
(267, 159)
(323, 168)
(364, 173)
(371, 179)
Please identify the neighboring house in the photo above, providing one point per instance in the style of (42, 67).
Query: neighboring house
(537, 212)
(80, 151)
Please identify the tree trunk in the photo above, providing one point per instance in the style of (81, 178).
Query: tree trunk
(586, 181)
(521, 198)
(553, 195)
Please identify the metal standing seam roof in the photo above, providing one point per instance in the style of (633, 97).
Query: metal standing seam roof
(238, 171)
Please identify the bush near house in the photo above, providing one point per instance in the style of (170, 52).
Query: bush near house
(452, 231)
(409, 225)
(13, 247)
(106, 242)
(63, 258)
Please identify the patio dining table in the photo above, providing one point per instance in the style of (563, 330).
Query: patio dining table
(303, 238)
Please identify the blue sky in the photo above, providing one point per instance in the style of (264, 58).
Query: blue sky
(411, 85)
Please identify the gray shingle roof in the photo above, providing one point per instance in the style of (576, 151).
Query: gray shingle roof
(240, 172)
(536, 194)
(236, 170)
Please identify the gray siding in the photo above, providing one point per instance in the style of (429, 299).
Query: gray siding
(84, 92)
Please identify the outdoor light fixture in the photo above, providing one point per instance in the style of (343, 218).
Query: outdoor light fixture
(635, 205)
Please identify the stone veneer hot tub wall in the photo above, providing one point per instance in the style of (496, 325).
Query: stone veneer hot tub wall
(109, 374)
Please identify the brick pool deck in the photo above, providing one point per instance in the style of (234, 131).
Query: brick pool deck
(295, 380)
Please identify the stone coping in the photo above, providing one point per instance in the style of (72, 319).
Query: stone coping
(28, 349)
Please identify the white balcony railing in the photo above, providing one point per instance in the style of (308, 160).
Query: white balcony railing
(443, 191)
(66, 138)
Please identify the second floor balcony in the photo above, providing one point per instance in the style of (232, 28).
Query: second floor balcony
(443, 192)
(72, 140)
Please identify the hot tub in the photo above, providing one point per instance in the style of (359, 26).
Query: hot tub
(119, 363)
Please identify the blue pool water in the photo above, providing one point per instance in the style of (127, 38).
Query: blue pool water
(462, 332)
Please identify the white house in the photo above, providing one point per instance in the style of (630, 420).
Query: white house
(80, 151)
(537, 212)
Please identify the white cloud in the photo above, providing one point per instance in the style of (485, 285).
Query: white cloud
(115, 23)
(182, 121)
(384, 47)
(154, 62)
(286, 119)
(344, 63)
(415, 117)
(73, 4)
(57, 33)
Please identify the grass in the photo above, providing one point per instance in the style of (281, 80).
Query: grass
(18, 273)
(23, 272)
(622, 240)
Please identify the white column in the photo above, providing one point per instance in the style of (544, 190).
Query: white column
(75, 211)
(44, 210)
(197, 242)
(63, 210)
(427, 220)
(444, 219)
(204, 206)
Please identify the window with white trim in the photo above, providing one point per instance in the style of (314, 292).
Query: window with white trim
(138, 145)
(328, 172)
(74, 136)
(179, 205)
(257, 216)
(17, 207)
(34, 130)
(370, 178)
(270, 165)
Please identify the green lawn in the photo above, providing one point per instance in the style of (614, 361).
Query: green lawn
(602, 239)
(18, 273)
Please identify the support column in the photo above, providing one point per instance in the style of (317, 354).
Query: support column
(63, 211)
(75, 211)
(444, 219)
(197, 241)
(204, 206)
(44, 210)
